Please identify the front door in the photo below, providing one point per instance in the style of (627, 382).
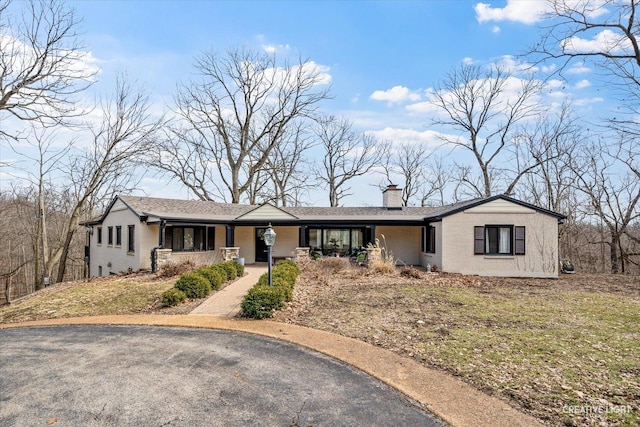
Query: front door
(261, 247)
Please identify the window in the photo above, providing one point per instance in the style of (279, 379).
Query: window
(336, 241)
(429, 239)
(99, 235)
(185, 239)
(99, 271)
(131, 235)
(110, 235)
(118, 235)
(499, 240)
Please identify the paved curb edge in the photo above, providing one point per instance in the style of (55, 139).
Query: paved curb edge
(449, 398)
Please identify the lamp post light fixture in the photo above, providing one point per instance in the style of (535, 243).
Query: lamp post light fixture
(269, 238)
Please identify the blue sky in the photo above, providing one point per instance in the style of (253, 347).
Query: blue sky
(368, 46)
(382, 56)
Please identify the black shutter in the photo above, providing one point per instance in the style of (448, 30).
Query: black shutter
(478, 240)
(520, 240)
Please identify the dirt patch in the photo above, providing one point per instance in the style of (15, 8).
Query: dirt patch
(564, 351)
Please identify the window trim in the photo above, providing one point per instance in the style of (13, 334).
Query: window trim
(110, 236)
(98, 235)
(428, 242)
(118, 235)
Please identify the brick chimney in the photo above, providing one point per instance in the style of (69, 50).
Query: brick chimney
(392, 197)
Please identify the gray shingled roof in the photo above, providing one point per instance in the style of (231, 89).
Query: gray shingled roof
(199, 209)
(175, 209)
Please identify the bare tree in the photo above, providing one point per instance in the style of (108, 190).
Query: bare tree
(41, 62)
(613, 194)
(125, 134)
(285, 176)
(604, 31)
(48, 158)
(544, 152)
(347, 154)
(414, 168)
(235, 116)
(485, 106)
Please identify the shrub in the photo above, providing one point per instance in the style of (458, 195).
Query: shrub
(239, 268)
(171, 269)
(410, 272)
(382, 267)
(288, 264)
(215, 276)
(333, 265)
(221, 271)
(172, 297)
(261, 301)
(230, 268)
(193, 285)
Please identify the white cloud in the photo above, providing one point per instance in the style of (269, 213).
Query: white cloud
(513, 66)
(578, 68)
(422, 108)
(605, 41)
(526, 12)
(583, 83)
(495, 29)
(587, 101)
(275, 48)
(548, 68)
(427, 137)
(467, 60)
(395, 95)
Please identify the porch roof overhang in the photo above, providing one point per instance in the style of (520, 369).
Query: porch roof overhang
(325, 222)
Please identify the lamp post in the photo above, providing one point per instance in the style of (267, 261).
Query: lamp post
(269, 238)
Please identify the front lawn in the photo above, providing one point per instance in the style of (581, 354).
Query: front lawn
(566, 351)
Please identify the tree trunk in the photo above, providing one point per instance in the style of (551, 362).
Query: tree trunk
(64, 252)
(615, 242)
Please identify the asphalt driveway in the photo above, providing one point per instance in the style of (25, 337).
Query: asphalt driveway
(160, 376)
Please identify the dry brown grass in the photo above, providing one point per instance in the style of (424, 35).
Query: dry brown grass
(132, 294)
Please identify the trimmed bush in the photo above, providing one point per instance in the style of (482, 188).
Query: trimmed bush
(194, 285)
(173, 297)
(239, 268)
(221, 271)
(261, 301)
(288, 264)
(215, 276)
(230, 268)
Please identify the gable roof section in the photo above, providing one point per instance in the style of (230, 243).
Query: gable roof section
(463, 206)
(266, 212)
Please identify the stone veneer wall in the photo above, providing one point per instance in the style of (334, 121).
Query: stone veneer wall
(302, 254)
(229, 254)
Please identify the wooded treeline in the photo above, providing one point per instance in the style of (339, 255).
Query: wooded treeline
(251, 127)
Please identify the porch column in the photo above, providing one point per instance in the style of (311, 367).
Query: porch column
(161, 237)
(230, 235)
(302, 236)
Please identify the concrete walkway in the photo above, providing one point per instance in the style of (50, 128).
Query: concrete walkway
(226, 302)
